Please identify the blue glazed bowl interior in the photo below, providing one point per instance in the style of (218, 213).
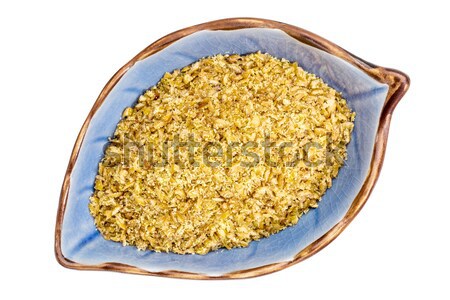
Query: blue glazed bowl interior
(82, 243)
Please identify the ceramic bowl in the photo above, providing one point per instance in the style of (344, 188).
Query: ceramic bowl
(371, 91)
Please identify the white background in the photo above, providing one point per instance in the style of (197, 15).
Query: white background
(56, 57)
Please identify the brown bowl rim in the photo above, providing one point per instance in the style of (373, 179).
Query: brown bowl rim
(397, 81)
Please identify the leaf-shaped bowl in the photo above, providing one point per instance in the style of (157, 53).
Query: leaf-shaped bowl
(371, 91)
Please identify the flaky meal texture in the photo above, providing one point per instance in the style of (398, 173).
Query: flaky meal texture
(223, 152)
